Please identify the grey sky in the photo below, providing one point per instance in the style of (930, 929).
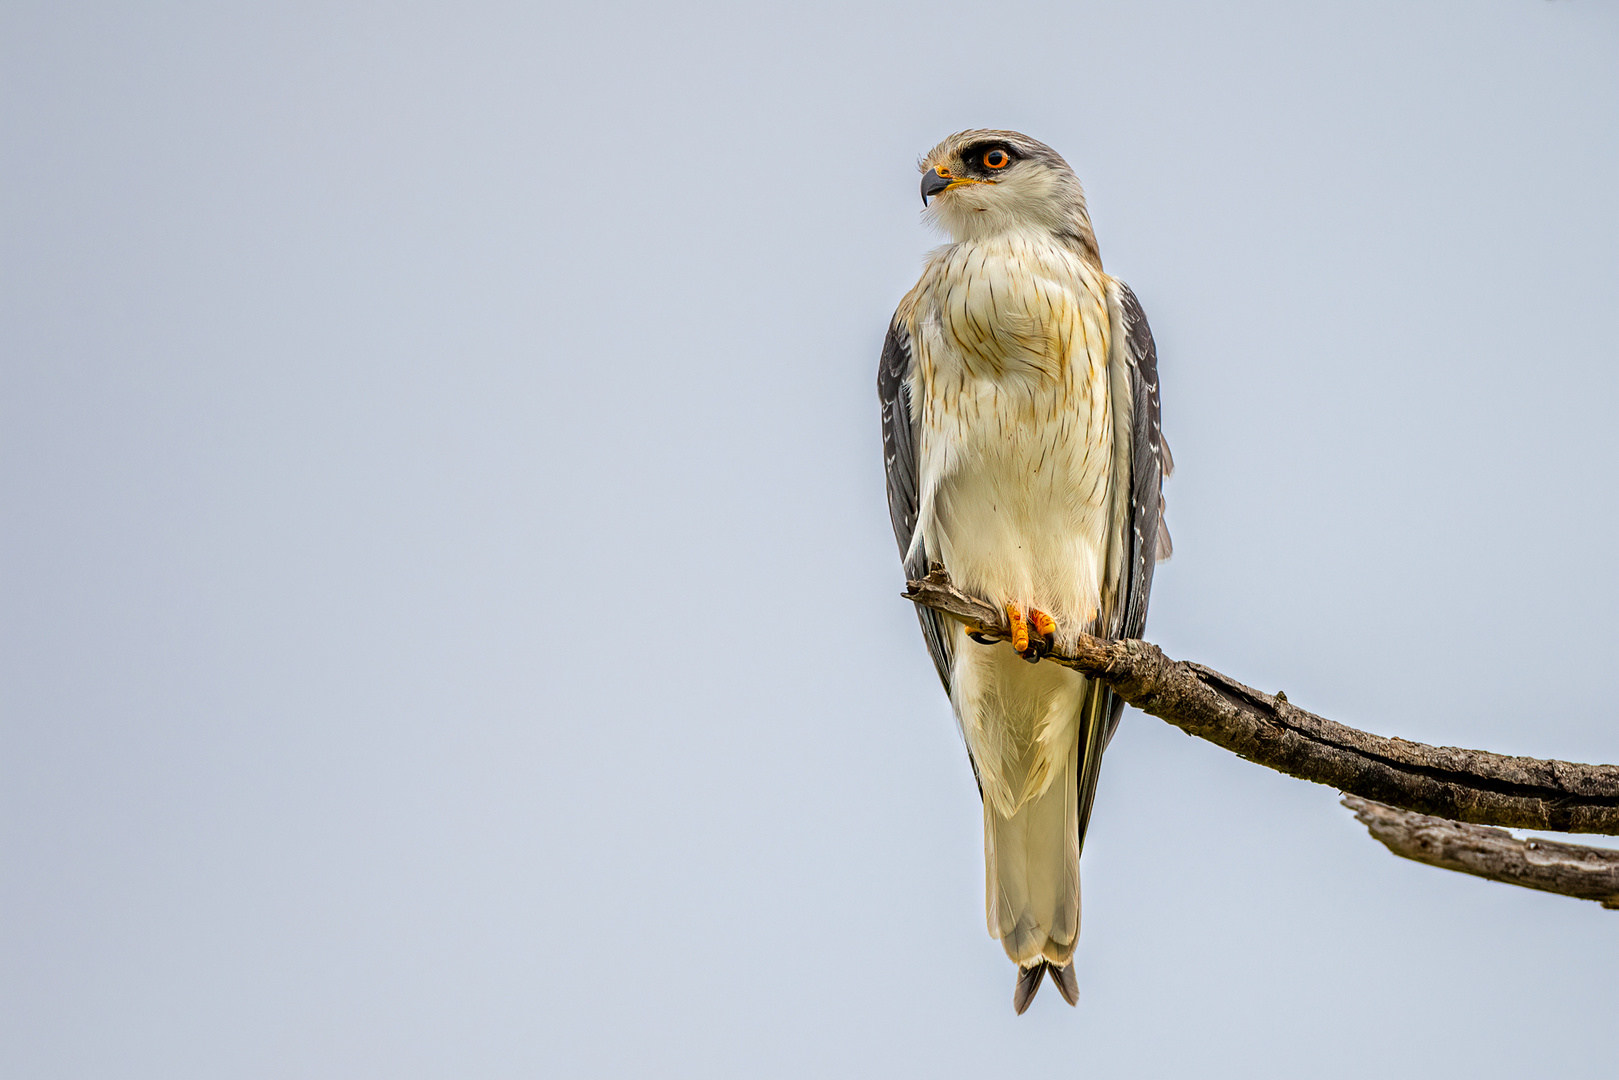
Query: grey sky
(419, 428)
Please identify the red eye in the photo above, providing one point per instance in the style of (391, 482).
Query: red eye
(997, 159)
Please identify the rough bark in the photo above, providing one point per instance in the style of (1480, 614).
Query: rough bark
(1570, 869)
(1462, 785)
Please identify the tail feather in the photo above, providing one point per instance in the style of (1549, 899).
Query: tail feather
(1066, 982)
(1033, 879)
(1032, 858)
(1036, 738)
(1028, 984)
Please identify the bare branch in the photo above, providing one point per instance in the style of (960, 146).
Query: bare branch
(1462, 785)
(1570, 869)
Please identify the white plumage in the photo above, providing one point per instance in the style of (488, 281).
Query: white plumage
(1018, 404)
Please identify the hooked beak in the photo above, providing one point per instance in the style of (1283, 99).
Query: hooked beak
(939, 178)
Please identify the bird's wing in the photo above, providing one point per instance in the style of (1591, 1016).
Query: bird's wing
(901, 440)
(1150, 462)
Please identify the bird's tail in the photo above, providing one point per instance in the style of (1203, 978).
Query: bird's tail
(1028, 981)
(1032, 872)
(1032, 864)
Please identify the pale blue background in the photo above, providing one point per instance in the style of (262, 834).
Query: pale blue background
(422, 426)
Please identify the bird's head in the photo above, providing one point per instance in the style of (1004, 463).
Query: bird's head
(978, 184)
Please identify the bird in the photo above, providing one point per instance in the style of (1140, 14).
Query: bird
(1023, 454)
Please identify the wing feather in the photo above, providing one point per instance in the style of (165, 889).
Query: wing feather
(1150, 462)
(901, 438)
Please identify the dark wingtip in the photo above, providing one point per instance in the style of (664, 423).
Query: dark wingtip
(1066, 982)
(1028, 984)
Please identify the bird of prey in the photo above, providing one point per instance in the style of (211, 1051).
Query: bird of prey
(1019, 390)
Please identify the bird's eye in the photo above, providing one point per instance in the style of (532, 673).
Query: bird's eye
(997, 159)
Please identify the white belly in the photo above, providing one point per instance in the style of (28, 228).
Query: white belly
(1022, 518)
(1018, 481)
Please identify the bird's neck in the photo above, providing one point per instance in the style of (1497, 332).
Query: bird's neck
(1074, 235)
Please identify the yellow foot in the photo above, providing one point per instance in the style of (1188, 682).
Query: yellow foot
(1031, 646)
(1046, 627)
(1020, 628)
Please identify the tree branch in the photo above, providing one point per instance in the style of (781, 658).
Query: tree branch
(1570, 869)
(1461, 785)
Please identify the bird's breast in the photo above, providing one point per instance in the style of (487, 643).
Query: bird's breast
(1017, 309)
(1016, 432)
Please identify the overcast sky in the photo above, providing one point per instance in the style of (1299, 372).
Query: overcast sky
(449, 620)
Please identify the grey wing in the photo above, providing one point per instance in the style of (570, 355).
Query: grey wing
(901, 440)
(1150, 462)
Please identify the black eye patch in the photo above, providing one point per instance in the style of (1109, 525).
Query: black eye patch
(987, 159)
